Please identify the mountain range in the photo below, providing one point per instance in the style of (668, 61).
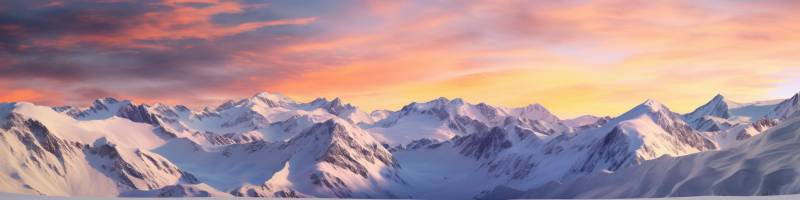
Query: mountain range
(269, 145)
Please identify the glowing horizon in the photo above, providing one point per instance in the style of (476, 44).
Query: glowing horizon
(573, 57)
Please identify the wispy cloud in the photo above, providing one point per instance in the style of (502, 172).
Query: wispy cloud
(573, 56)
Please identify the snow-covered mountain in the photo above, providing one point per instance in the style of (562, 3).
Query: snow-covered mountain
(648, 131)
(728, 122)
(786, 109)
(764, 165)
(269, 145)
(264, 116)
(515, 156)
(721, 113)
(443, 119)
(330, 159)
(52, 154)
(760, 165)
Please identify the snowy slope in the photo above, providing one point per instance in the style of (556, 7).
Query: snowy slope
(754, 110)
(786, 109)
(586, 122)
(764, 165)
(46, 152)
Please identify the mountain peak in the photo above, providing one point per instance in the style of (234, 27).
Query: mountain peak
(718, 97)
(336, 102)
(105, 102)
(649, 106)
(716, 107)
(445, 100)
(263, 94)
(271, 96)
(535, 112)
(653, 104)
(335, 106)
(438, 103)
(535, 106)
(441, 99)
(271, 100)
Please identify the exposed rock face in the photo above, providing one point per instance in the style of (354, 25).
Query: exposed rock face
(138, 113)
(335, 106)
(612, 153)
(484, 145)
(182, 191)
(416, 144)
(344, 147)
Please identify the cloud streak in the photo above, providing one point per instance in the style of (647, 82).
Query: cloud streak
(573, 56)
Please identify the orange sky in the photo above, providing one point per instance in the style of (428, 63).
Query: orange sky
(574, 57)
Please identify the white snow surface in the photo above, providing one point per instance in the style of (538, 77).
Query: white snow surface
(764, 165)
(10, 196)
(269, 145)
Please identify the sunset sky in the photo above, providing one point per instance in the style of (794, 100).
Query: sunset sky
(574, 57)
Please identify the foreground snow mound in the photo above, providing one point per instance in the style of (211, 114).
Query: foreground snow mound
(179, 190)
(764, 165)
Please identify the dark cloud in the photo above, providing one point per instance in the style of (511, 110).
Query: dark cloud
(196, 4)
(91, 47)
(37, 20)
